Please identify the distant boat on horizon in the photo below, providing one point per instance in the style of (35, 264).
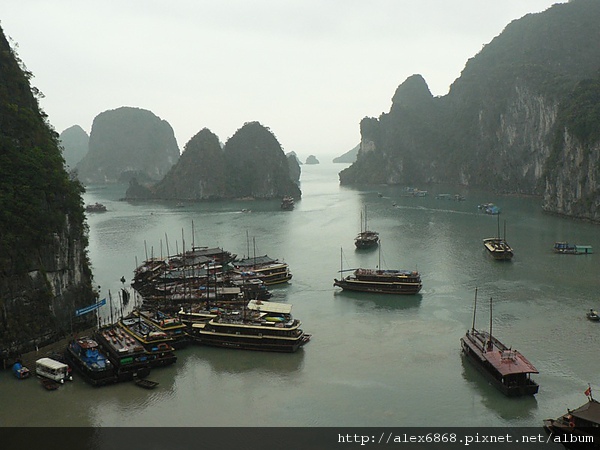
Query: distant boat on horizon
(497, 247)
(366, 238)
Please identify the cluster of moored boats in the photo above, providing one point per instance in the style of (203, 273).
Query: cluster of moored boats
(204, 296)
(207, 296)
(146, 339)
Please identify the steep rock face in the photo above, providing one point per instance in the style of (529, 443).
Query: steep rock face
(257, 164)
(573, 188)
(251, 164)
(75, 142)
(572, 172)
(200, 173)
(294, 167)
(497, 126)
(128, 141)
(44, 270)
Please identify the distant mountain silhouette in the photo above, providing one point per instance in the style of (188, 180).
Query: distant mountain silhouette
(75, 142)
(348, 157)
(127, 142)
(251, 164)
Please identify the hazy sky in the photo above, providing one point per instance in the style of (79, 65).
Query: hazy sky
(310, 70)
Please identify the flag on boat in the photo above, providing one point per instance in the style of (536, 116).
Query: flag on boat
(588, 391)
(90, 308)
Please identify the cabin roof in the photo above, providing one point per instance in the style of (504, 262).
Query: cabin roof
(505, 360)
(590, 412)
(51, 363)
(255, 261)
(273, 307)
(509, 362)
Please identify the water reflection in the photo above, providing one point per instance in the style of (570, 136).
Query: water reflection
(380, 301)
(229, 361)
(509, 408)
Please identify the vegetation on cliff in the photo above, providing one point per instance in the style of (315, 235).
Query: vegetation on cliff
(42, 219)
(200, 172)
(251, 164)
(496, 127)
(130, 141)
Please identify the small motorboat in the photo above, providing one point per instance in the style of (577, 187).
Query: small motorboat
(20, 371)
(49, 385)
(144, 383)
(592, 314)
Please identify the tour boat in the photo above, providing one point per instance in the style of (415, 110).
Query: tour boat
(267, 326)
(86, 357)
(506, 368)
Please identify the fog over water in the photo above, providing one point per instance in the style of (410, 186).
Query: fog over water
(309, 70)
(373, 360)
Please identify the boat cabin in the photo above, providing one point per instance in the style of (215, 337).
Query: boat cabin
(52, 369)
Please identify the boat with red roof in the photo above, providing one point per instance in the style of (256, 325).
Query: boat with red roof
(506, 368)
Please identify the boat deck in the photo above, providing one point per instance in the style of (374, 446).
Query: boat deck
(506, 361)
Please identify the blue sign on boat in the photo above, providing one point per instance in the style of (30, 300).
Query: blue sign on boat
(90, 308)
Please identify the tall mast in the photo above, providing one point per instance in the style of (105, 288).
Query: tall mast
(361, 222)
(498, 225)
(490, 320)
(474, 310)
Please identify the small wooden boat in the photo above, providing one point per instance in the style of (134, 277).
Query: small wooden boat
(144, 383)
(96, 207)
(20, 371)
(287, 203)
(49, 385)
(592, 314)
(564, 248)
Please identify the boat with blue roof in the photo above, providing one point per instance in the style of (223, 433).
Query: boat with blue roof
(91, 362)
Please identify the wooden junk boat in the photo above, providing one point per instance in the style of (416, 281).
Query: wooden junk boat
(577, 428)
(507, 369)
(379, 281)
(270, 271)
(266, 326)
(497, 247)
(366, 238)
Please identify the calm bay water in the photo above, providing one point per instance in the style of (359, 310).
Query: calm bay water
(373, 360)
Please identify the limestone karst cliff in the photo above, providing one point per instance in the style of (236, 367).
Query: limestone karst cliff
(499, 126)
(572, 175)
(44, 269)
(127, 142)
(75, 142)
(294, 167)
(200, 173)
(251, 164)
